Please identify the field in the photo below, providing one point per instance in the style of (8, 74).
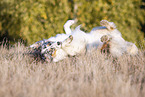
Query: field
(90, 75)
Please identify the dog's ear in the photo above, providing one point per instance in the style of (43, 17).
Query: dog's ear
(71, 38)
(67, 41)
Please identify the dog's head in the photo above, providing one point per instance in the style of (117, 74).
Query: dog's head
(49, 50)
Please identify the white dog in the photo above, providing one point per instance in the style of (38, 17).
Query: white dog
(78, 41)
(72, 45)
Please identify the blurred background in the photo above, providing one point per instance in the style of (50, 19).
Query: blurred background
(33, 20)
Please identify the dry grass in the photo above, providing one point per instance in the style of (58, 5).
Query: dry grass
(92, 75)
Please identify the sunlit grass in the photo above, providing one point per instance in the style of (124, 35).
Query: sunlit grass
(90, 75)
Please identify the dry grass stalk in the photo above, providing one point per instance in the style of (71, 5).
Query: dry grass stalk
(90, 75)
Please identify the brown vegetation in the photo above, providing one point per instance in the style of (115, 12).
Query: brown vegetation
(90, 75)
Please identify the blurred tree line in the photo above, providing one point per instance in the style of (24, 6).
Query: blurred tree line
(34, 20)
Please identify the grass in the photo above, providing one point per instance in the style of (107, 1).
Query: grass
(90, 75)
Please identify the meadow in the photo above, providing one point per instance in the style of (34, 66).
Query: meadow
(90, 75)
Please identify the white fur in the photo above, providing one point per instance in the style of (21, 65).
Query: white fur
(94, 37)
(67, 26)
(131, 48)
(60, 53)
(69, 47)
(77, 45)
(118, 47)
(82, 41)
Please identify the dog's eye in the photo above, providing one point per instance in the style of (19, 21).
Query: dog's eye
(58, 43)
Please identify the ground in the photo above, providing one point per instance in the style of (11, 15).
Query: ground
(90, 75)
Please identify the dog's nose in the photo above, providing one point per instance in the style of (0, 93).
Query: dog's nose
(58, 43)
